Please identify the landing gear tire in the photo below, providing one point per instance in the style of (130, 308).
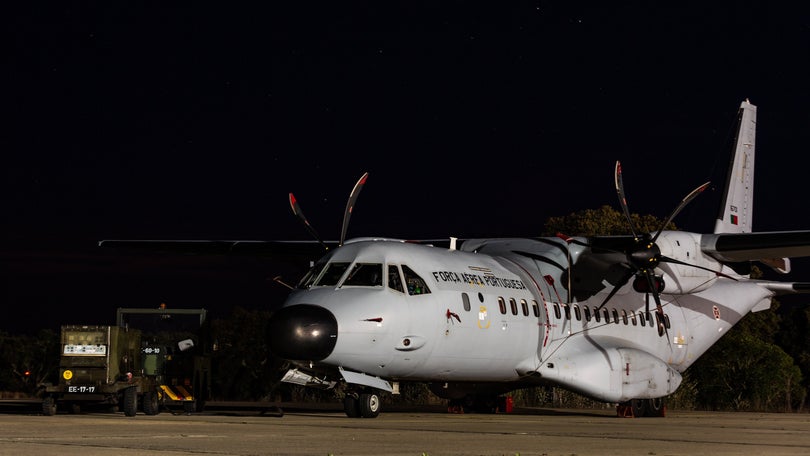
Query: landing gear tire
(639, 407)
(130, 401)
(369, 405)
(655, 407)
(351, 405)
(151, 403)
(49, 406)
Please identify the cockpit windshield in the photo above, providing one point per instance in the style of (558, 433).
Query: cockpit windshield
(365, 274)
(324, 273)
(331, 274)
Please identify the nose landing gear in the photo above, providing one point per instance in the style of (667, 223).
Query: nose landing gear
(361, 404)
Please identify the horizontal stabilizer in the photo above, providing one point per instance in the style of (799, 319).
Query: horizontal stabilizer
(787, 287)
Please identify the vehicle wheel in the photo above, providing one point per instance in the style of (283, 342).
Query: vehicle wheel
(151, 403)
(369, 405)
(130, 401)
(49, 406)
(655, 407)
(351, 406)
(75, 408)
(639, 407)
(188, 407)
(200, 394)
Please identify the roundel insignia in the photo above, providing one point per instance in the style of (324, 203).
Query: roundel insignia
(716, 312)
(67, 374)
(483, 323)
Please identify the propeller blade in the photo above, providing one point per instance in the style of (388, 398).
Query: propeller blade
(350, 205)
(622, 199)
(680, 207)
(300, 214)
(659, 309)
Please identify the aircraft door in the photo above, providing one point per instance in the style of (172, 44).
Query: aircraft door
(412, 296)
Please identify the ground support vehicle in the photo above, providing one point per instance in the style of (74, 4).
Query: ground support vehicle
(130, 369)
(99, 364)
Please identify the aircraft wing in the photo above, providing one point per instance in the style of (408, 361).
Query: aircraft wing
(768, 245)
(284, 251)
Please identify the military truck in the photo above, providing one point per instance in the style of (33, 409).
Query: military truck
(99, 364)
(131, 369)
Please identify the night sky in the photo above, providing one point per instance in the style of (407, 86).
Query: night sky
(148, 120)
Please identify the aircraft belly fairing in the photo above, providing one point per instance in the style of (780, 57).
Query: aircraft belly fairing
(609, 373)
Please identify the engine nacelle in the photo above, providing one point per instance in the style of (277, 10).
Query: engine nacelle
(680, 278)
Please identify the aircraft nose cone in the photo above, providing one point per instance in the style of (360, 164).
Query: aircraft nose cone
(302, 332)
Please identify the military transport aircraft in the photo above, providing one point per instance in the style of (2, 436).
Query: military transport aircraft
(615, 318)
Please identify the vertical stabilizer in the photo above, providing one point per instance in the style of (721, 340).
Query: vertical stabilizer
(736, 211)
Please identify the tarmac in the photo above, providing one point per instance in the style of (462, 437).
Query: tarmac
(251, 429)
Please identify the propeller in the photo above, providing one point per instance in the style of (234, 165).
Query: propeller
(300, 214)
(350, 205)
(644, 255)
(296, 208)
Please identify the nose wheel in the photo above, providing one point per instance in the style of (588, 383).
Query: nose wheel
(361, 405)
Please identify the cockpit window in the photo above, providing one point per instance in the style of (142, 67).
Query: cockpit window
(365, 274)
(394, 279)
(331, 274)
(416, 285)
(312, 274)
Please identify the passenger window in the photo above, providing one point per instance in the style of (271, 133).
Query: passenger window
(633, 317)
(513, 305)
(587, 313)
(641, 318)
(557, 311)
(525, 307)
(365, 274)
(615, 316)
(535, 308)
(606, 314)
(567, 311)
(465, 298)
(666, 321)
(596, 315)
(624, 316)
(502, 305)
(416, 285)
(577, 313)
(332, 274)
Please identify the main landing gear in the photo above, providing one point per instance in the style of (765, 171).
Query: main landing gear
(637, 408)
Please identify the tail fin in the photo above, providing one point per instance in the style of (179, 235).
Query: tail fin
(737, 208)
